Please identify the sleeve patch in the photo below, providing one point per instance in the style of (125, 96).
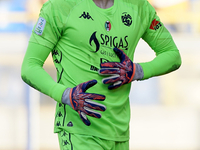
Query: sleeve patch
(39, 28)
(155, 25)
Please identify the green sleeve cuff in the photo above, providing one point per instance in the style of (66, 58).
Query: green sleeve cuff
(57, 92)
(164, 63)
(147, 70)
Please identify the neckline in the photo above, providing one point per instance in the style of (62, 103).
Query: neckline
(107, 11)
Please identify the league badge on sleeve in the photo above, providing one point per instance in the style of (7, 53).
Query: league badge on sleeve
(39, 28)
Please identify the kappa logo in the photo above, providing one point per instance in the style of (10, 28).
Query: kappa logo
(65, 142)
(63, 134)
(58, 124)
(86, 16)
(59, 114)
(155, 25)
(58, 56)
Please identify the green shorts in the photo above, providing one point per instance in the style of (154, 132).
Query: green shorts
(70, 141)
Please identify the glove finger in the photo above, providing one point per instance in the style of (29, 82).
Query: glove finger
(84, 118)
(88, 84)
(110, 65)
(108, 71)
(93, 96)
(111, 79)
(120, 53)
(92, 113)
(115, 85)
(93, 105)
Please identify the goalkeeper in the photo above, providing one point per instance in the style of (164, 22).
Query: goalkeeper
(92, 43)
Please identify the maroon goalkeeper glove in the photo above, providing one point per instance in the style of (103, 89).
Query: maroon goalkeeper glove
(82, 102)
(122, 72)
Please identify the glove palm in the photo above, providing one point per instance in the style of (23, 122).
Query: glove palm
(121, 72)
(82, 102)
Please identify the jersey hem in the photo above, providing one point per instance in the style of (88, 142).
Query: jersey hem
(121, 138)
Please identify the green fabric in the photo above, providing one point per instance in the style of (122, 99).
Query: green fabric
(76, 33)
(33, 73)
(168, 58)
(68, 141)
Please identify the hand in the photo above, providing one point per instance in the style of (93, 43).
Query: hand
(82, 102)
(120, 72)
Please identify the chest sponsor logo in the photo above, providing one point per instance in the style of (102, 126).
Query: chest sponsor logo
(86, 16)
(96, 42)
(108, 41)
(155, 25)
(126, 19)
(39, 28)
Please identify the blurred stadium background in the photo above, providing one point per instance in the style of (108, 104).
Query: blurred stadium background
(165, 110)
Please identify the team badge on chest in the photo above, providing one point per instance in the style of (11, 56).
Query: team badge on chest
(107, 25)
(126, 19)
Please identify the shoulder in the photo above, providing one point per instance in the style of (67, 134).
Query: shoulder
(142, 6)
(59, 6)
(140, 3)
(62, 3)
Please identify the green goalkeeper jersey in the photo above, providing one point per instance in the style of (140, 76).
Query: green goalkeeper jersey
(80, 36)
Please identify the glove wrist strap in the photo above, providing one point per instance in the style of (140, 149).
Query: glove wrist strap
(66, 97)
(139, 73)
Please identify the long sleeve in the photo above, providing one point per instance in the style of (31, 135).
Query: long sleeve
(44, 38)
(33, 74)
(160, 40)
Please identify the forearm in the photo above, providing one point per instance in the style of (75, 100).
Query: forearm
(33, 74)
(164, 63)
